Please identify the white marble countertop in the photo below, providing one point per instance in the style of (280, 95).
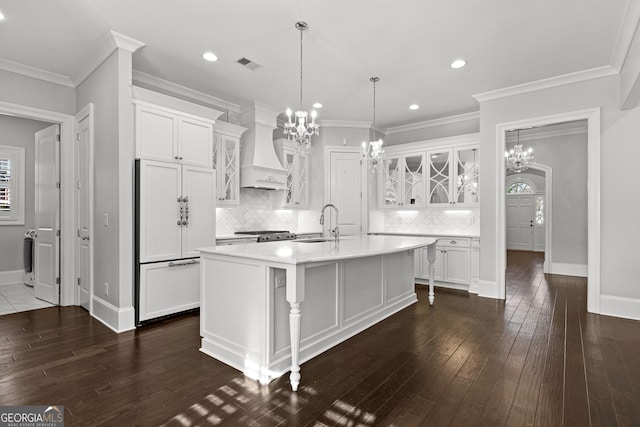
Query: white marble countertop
(297, 252)
(397, 233)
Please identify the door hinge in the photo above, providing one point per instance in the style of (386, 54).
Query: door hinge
(78, 232)
(78, 281)
(58, 233)
(78, 137)
(58, 184)
(57, 280)
(79, 185)
(58, 137)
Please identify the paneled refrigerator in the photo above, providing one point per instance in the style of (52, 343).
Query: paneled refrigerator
(175, 215)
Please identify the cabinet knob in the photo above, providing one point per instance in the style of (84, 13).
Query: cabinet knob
(175, 157)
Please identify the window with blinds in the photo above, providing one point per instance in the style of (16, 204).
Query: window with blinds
(5, 185)
(11, 185)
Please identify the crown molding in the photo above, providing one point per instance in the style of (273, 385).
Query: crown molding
(475, 115)
(549, 134)
(626, 34)
(561, 80)
(125, 42)
(36, 73)
(183, 91)
(359, 124)
(106, 46)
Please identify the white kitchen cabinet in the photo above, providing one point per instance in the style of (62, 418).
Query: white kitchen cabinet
(168, 288)
(176, 210)
(226, 161)
(167, 135)
(402, 181)
(297, 166)
(453, 261)
(453, 176)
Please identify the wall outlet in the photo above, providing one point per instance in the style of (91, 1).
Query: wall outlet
(106, 220)
(281, 278)
(106, 289)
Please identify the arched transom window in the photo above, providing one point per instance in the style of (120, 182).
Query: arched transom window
(520, 187)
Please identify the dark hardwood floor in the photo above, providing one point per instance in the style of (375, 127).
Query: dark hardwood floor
(535, 359)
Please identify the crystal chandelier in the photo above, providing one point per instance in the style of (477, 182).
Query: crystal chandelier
(301, 129)
(517, 159)
(373, 151)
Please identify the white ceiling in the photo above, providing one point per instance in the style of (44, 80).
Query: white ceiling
(409, 44)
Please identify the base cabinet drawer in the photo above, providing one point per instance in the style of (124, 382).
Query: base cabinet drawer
(168, 288)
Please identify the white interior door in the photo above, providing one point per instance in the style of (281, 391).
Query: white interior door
(199, 190)
(519, 217)
(160, 233)
(345, 192)
(83, 193)
(47, 215)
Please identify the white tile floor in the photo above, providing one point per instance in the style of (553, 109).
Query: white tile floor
(19, 297)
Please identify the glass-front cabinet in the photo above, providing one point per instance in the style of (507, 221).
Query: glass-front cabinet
(454, 176)
(402, 181)
(226, 161)
(297, 166)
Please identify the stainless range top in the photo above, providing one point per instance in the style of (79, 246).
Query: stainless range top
(269, 235)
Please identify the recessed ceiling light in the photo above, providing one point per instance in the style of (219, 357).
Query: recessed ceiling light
(210, 56)
(458, 63)
(317, 105)
(1, 16)
(414, 107)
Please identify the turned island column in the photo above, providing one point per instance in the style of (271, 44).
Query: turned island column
(295, 296)
(431, 257)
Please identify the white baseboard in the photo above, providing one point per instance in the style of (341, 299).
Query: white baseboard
(628, 308)
(474, 288)
(488, 289)
(117, 319)
(578, 270)
(11, 277)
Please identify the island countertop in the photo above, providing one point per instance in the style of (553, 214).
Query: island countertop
(301, 252)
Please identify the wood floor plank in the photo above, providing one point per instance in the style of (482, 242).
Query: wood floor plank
(537, 358)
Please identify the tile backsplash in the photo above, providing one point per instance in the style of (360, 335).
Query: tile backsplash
(437, 221)
(258, 210)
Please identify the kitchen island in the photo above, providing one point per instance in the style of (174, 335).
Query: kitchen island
(268, 307)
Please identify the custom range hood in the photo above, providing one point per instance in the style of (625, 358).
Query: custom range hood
(259, 164)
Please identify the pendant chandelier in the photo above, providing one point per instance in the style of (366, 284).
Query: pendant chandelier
(517, 159)
(372, 151)
(300, 129)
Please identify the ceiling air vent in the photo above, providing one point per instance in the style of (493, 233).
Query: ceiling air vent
(247, 63)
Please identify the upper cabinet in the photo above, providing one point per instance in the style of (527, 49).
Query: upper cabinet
(453, 176)
(226, 160)
(166, 135)
(402, 181)
(430, 174)
(297, 166)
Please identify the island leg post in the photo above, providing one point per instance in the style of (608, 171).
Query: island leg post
(431, 257)
(295, 296)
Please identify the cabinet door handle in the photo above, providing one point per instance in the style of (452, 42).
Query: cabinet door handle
(180, 264)
(453, 242)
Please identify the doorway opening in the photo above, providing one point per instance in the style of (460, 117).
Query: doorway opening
(569, 145)
(67, 194)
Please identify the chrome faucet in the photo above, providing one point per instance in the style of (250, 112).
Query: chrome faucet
(336, 230)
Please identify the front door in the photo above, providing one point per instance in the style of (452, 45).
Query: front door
(345, 192)
(520, 222)
(47, 215)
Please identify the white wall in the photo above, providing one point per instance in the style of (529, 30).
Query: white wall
(109, 89)
(19, 132)
(567, 157)
(620, 151)
(23, 90)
